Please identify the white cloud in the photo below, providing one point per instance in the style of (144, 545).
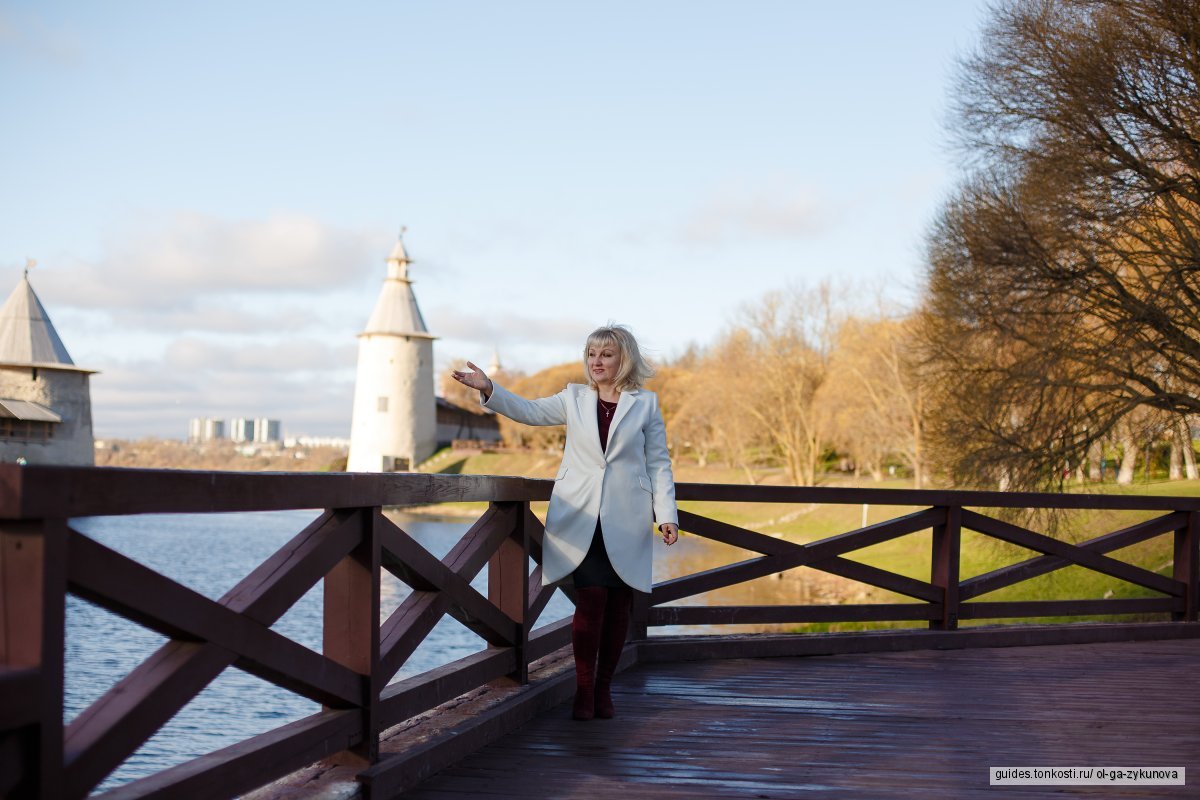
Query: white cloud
(489, 327)
(216, 318)
(157, 398)
(190, 257)
(264, 358)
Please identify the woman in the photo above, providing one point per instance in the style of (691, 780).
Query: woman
(614, 480)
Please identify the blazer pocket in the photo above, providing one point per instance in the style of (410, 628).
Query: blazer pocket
(645, 484)
(562, 473)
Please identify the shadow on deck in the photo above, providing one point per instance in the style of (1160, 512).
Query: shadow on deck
(925, 723)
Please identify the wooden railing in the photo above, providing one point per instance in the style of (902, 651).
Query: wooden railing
(43, 558)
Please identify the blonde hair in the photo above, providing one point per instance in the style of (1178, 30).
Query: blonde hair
(633, 371)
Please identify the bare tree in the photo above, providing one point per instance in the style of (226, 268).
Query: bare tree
(1064, 291)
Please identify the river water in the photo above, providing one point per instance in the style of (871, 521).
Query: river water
(211, 553)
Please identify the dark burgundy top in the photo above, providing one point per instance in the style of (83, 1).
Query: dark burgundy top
(605, 421)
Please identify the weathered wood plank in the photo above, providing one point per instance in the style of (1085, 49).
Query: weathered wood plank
(545, 640)
(864, 573)
(1041, 565)
(539, 596)
(38, 491)
(1186, 568)
(508, 590)
(480, 541)
(411, 696)
(1070, 608)
(691, 648)
(136, 592)
(944, 563)
(718, 531)
(350, 630)
(775, 615)
(1078, 555)
(403, 631)
(47, 491)
(33, 584)
(873, 534)
(271, 589)
(468, 606)
(828, 495)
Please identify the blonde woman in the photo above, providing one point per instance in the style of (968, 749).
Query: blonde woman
(614, 481)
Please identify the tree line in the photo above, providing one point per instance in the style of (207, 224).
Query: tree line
(794, 382)
(1058, 328)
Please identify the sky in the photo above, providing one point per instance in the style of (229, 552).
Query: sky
(210, 189)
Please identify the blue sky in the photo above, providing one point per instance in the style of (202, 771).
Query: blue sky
(210, 189)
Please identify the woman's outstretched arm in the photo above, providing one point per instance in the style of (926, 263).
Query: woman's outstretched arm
(545, 411)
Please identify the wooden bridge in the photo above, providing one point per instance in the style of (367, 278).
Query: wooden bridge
(781, 715)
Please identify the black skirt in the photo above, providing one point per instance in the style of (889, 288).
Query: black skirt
(596, 569)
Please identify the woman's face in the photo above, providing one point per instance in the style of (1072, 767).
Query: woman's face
(603, 361)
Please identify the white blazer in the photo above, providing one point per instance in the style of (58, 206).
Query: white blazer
(628, 486)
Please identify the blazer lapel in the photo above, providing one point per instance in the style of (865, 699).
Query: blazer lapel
(624, 403)
(591, 426)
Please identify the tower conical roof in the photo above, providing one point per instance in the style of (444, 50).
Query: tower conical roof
(396, 310)
(26, 334)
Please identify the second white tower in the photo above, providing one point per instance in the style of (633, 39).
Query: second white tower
(394, 424)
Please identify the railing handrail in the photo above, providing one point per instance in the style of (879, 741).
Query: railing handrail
(42, 492)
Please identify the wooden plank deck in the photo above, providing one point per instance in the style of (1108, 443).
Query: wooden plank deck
(921, 724)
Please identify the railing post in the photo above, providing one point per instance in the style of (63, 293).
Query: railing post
(351, 629)
(508, 585)
(1187, 566)
(945, 567)
(33, 589)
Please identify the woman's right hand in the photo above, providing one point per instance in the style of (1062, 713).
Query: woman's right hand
(476, 379)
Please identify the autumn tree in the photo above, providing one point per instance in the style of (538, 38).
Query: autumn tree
(777, 360)
(709, 417)
(876, 394)
(547, 382)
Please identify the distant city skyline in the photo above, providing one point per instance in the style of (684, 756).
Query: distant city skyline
(262, 430)
(211, 230)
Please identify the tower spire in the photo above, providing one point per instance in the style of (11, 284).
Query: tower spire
(398, 261)
(396, 311)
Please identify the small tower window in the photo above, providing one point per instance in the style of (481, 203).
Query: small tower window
(383, 405)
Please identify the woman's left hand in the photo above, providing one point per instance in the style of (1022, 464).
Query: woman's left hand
(670, 533)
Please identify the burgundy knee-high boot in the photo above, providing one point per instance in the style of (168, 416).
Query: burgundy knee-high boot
(586, 628)
(612, 644)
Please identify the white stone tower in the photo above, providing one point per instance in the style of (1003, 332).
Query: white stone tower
(394, 426)
(45, 400)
